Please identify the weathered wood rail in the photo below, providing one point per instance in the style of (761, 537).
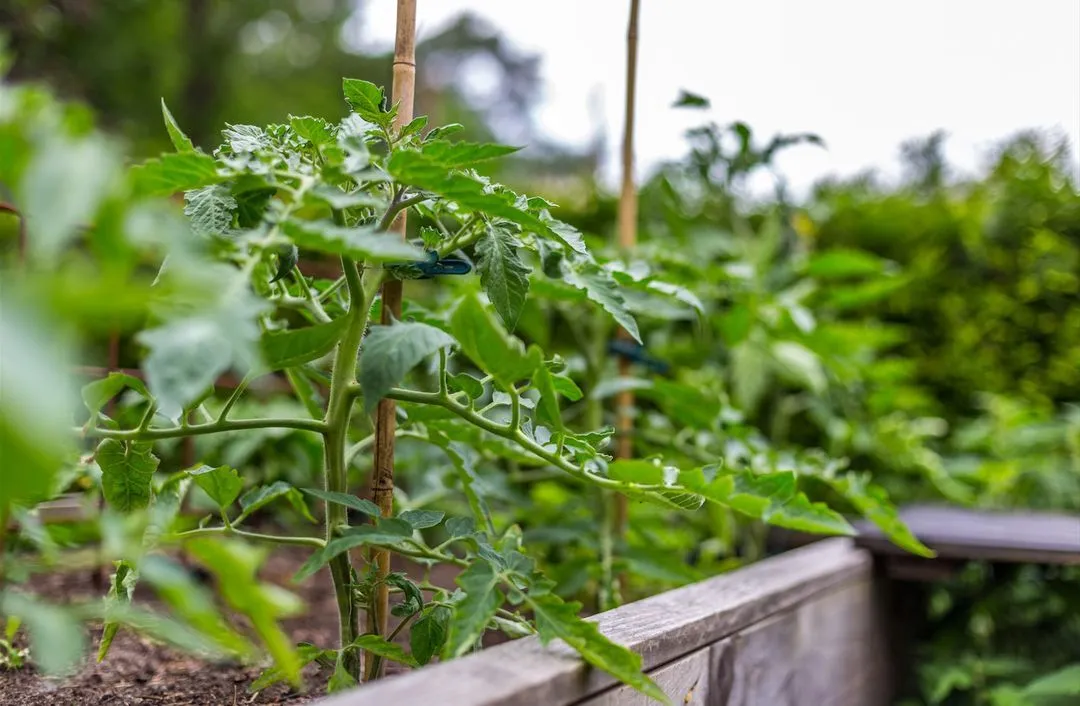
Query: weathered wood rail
(805, 628)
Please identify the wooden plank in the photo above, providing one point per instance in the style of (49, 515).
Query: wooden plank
(685, 681)
(661, 628)
(757, 666)
(961, 533)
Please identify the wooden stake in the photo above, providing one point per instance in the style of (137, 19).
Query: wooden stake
(385, 419)
(627, 224)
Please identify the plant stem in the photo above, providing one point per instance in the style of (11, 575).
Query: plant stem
(215, 427)
(385, 416)
(254, 536)
(338, 413)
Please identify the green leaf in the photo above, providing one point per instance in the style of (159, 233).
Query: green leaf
(391, 351)
(306, 392)
(306, 653)
(872, 502)
(457, 155)
(428, 633)
(286, 349)
(800, 364)
(472, 615)
(388, 650)
(504, 276)
(56, 637)
(489, 345)
(412, 598)
(463, 382)
(235, 566)
(461, 456)
(192, 602)
(422, 519)
(556, 619)
(687, 99)
(256, 498)
(415, 126)
(366, 99)
(639, 471)
(566, 387)
(391, 533)
(444, 131)
(841, 262)
(366, 243)
(173, 173)
(350, 501)
(222, 484)
(97, 393)
(340, 680)
(180, 141)
(127, 468)
(1063, 682)
(770, 497)
(210, 209)
(315, 130)
(599, 287)
(547, 409)
(120, 591)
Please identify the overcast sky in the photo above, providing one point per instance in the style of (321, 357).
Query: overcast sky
(863, 75)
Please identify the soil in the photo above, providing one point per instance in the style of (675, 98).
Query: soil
(138, 671)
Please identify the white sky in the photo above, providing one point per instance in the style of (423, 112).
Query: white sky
(865, 75)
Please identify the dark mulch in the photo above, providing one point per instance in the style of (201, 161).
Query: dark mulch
(139, 672)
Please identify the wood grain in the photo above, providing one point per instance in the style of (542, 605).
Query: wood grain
(685, 681)
(663, 628)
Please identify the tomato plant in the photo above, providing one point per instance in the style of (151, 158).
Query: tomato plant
(221, 291)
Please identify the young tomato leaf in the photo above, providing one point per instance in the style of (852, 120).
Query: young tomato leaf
(222, 484)
(173, 173)
(391, 533)
(366, 99)
(547, 409)
(307, 654)
(180, 141)
(56, 637)
(422, 519)
(488, 344)
(120, 591)
(286, 349)
(456, 155)
(640, 471)
(428, 633)
(350, 501)
(558, 619)
(97, 393)
(127, 468)
(389, 650)
(256, 498)
(599, 286)
(210, 209)
(504, 276)
(340, 680)
(873, 503)
(358, 242)
(475, 611)
(391, 351)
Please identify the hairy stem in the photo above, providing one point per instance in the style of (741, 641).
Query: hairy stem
(215, 427)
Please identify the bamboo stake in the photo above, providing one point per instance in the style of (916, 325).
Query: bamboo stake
(627, 224)
(385, 419)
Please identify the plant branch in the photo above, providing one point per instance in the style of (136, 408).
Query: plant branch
(215, 427)
(254, 536)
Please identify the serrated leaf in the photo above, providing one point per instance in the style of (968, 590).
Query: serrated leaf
(547, 409)
(340, 680)
(556, 619)
(872, 502)
(98, 392)
(173, 173)
(463, 382)
(388, 650)
(489, 345)
(422, 519)
(472, 614)
(360, 242)
(256, 498)
(444, 131)
(245, 138)
(457, 155)
(127, 469)
(504, 276)
(390, 352)
(367, 100)
(121, 589)
(773, 498)
(180, 141)
(286, 349)
(639, 471)
(273, 674)
(428, 634)
(210, 209)
(390, 533)
(222, 484)
(599, 287)
(315, 130)
(350, 501)
(566, 387)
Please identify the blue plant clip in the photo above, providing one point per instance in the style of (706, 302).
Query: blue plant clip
(429, 268)
(634, 351)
